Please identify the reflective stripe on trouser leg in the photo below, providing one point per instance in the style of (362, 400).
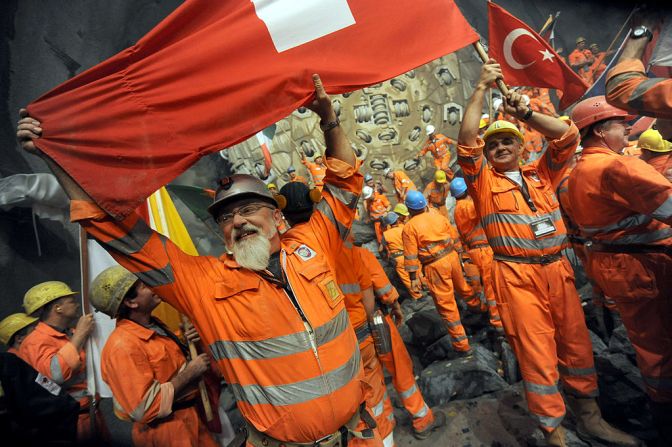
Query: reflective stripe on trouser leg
(400, 366)
(441, 288)
(404, 277)
(522, 290)
(642, 297)
(483, 258)
(373, 374)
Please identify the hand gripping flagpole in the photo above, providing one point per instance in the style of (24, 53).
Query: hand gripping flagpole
(207, 406)
(484, 57)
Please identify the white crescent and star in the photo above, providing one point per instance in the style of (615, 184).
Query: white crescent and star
(508, 47)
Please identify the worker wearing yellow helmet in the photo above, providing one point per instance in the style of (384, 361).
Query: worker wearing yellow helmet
(14, 329)
(437, 192)
(145, 365)
(656, 151)
(55, 349)
(402, 211)
(272, 187)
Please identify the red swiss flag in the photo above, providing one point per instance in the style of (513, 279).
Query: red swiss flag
(527, 59)
(215, 72)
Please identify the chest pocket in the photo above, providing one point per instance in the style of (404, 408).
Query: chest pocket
(541, 191)
(319, 274)
(242, 306)
(505, 197)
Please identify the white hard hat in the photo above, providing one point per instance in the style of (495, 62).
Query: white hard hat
(430, 129)
(485, 116)
(367, 192)
(387, 171)
(496, 103)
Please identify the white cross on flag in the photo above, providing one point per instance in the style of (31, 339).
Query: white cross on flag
(215, 72)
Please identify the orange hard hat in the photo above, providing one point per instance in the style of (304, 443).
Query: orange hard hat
(592, 110)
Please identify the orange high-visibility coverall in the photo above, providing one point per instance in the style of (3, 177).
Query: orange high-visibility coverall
(138, 363)
(402, 184)
(476, 244)
(394, 245)
(317, 172)
(624, 201)
(533, 143)
(598, 66)
(536, 298)
(397, 362)
(663, 164)
(354, 280)
(436, 194)
(629, 88)
(378, 206)
(298, 178)
(294, 368)
(439, 147)
(578, 57)
(50, 352)
(428, 243)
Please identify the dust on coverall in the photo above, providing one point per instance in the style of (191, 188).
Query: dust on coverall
(50, 352)
(392, 242)
(317, 172)
(138, 363)
(293, 365)
(476, 245)
(439, 147)
(354, 280)
(428, 243)
(402, 184)
(630, 89)
(625, 201)
(397, 362)
(436, 194)
(538, 303)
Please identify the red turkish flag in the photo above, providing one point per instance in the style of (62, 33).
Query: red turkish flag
(215, 72)
(527, 59)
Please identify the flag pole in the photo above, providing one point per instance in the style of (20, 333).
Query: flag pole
(207, 407)
(484, 57)
(618, 34)
(86, 306)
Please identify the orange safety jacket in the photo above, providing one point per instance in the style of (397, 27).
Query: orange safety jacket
(562, 193)
(402, 184)
(439, 147)
(629, 88)
(298, 178)
(578, 57)
(436, 193)
(663, 164)
(317, 172)
(508, 220)
(392, 241)
(50, 352)
(353, 279)
(383, 289)
(619, 200)
(468, 224)
(427, 237)
(293, 365)
(378, 206)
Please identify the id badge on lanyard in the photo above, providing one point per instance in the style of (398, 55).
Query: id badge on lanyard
(542, 227)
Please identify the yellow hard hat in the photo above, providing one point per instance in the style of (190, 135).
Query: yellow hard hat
(13, 324)
(271, 186)
(46, 292)
(109, 289)
(401, 209)
(440, 176)
(501, 126)
(652, 140)
(482, 123)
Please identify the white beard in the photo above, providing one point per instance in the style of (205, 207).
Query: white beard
(253, 252)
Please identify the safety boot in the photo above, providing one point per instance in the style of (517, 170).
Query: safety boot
(439, 421)
(557, 437)
(591, 426)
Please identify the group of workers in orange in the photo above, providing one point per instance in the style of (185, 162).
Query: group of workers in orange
(588, 62)
(300, 323)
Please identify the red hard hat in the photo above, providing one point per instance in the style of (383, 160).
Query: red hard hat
(592, 110)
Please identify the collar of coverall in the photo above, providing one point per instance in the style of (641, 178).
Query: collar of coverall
(140, 331)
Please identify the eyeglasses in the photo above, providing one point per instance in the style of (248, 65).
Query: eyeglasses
(244, 211)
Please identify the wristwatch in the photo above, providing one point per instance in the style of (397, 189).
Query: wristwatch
(641, 31)
(326, 127)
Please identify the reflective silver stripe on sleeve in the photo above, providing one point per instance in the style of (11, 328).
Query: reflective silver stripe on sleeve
(325, 209)
(132, 242)
(619, 79)
(409, 392)
(629, 222)
(157, 277)
(548, 421)
(411, 268)
(636, 100)
(453, 323)
(347, 198)
(350, 288)
(298, 392)
(664, 211)
(458, 339)
(146, 402)
(541, 389)
(422, 413)
(527, 244)
(575, 371)
(552, 165)
(643, 238)
(472, 178)
(469, 160)
(410, 257)
(382, 291)
(518, 219)
(55, 369)
(377, 409)
(281, 346)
